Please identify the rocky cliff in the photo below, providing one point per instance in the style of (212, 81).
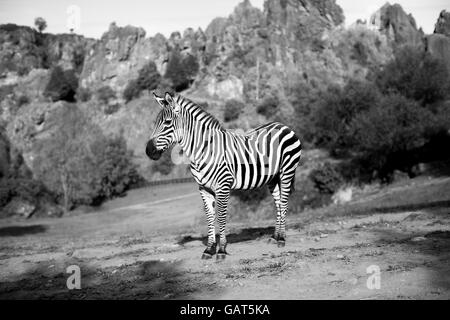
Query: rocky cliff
(249, 55)
(398, 26)
(438, 43)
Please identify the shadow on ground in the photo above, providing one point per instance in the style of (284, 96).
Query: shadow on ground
(241, 235)
(17, 231)
(144, 280)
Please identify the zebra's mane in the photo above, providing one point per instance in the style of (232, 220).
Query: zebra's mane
(189, 104)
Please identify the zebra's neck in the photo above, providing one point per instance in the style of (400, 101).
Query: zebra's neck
(197, 128)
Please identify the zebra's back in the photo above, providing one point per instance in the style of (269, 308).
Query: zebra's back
(262, 154)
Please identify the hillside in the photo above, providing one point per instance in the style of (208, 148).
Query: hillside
(275, 64)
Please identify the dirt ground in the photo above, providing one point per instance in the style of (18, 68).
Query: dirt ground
(148, 245)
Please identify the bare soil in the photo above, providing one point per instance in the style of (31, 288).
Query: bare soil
(148, 245)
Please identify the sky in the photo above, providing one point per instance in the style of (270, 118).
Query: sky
(92, 17)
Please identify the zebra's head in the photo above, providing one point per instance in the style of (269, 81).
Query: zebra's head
(166, 125)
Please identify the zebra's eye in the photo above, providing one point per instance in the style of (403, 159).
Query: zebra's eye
(167, 121)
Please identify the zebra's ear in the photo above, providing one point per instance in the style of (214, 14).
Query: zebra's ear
(161, 101)
(174, 105)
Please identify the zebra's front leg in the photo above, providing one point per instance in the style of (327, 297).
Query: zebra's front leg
(208, 202)
(222, 198)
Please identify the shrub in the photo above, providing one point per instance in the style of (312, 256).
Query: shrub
(115, 171)
(233, 109)
(416, 75)
(62, 85)
(268, 107)
(389, 134)
(23, 188)
(79, 164)
(131, 91)
(336, 111)
(181, 71)
(105, 94)
(326, 178)
(148, 79)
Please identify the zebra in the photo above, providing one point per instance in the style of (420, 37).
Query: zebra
(222, 160)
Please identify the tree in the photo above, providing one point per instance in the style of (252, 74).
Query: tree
(233, 109)
(389, 134)
(79, 164)
(337, 109)
(148, 79)
(416, 75)
(40, 24)
(181, 71)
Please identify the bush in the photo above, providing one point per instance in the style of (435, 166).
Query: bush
(105, 94)
(181, 71)
(131, 91)
(26, 189)
(115, 171)
(268, 107)
(62, 85)
(326, 178)
(416, 75)
(148, 79)
(389, 134)
(335, 113)
(233, 109)
(79, 164)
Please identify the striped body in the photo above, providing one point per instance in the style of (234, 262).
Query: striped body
(251, 160)
(223, 160)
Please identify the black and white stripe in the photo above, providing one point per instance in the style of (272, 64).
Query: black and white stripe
(222, 160)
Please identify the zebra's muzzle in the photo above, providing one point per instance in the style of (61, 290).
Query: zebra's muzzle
(152, 152)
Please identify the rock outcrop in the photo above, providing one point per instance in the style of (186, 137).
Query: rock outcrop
(23, 49)
(398, 26)
(443, 24)
(438, 44)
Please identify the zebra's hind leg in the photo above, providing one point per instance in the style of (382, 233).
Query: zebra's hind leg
(274, 188)
(286, 182)
(208, 202)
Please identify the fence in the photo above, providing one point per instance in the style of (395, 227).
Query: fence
(168, 181)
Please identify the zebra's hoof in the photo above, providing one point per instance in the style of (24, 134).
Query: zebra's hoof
(221, 256)
(272, 240)
(206, 256)
(281, 243)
